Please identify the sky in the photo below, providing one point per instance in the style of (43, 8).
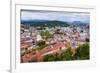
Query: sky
(55, 15)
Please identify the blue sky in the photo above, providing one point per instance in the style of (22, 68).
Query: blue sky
(54, 15)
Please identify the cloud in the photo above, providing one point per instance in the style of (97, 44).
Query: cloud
(54, 15)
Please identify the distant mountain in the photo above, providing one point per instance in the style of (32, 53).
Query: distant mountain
(79, 23)
(45, 23)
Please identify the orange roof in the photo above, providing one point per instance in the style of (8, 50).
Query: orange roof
(58, 45)
(25, 45)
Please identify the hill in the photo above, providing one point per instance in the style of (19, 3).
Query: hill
(45, 23)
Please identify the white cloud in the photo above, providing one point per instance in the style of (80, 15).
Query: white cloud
(50, 15)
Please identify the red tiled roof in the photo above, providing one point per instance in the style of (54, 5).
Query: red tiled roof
(26, 45)
(58, 45)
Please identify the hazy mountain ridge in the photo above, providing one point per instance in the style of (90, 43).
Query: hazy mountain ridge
(45, 23)
(79, 23)
(52, 23)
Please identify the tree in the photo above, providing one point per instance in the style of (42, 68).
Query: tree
(49, 57)
(46, 34)
(83, 52)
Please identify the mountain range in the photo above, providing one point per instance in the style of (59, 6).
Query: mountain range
(45, 23)
(51, 23)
